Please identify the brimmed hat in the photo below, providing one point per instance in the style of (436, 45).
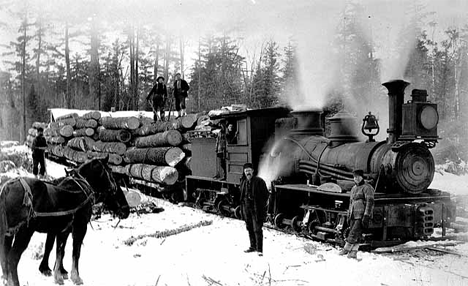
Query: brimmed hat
(358, 173)
(248, 165)
(160, 77)
(177, 74)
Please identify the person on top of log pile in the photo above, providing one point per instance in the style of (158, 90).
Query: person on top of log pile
(181, 88)
(254, 196)
(158, 96)
(221, 153)
(361, 206)
(38, 147)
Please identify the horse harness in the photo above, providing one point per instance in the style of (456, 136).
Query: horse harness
(28, 202)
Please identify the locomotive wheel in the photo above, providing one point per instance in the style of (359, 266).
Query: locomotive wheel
(279, 221)
(312, 225)
(238, 212)
(221, 207)
(296, 224)
(200, 203)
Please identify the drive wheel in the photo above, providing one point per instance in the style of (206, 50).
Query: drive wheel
(200, 202)
(223, 208)
(312, 225)
(296, 224)
(238, 212)
(279, 221)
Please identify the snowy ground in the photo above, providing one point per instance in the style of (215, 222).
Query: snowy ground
(213, 254)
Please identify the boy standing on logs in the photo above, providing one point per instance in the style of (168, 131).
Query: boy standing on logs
(181, 88)
(38, 147)
(158, 97)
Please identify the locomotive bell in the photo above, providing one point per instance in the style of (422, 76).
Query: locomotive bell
(370, 123)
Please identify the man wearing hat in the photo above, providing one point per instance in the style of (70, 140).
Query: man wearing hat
(158, 97)
(39, 145)
(361, 206)
(181, 88)
(254, 196)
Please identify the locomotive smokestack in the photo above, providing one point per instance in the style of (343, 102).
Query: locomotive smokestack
(396, 96)
(308, 123)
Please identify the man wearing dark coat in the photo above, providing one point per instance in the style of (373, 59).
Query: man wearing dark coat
(158, 96)
(361, 206)
(181, 88)
(39, 145)
(254, 196)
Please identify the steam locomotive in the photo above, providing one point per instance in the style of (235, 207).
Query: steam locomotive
(310, 190)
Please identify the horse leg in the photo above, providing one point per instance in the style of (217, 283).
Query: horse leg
(62, 269)
(5, 246)
(44, 266)
(21, 242)
(79, 233)
(60, 250)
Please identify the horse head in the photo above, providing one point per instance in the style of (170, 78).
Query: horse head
(99, 176)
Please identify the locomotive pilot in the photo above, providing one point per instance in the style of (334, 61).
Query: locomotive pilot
(254, 195)
(361, 206)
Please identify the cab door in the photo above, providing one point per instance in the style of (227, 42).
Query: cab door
(238, 153)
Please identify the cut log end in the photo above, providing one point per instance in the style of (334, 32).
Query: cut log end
(173, 156)
(169, 176)
(174, 137)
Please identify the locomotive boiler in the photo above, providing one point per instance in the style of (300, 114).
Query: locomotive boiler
(400, 169)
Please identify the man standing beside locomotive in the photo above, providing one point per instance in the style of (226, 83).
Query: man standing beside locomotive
(254, 195)
(181, 88)
(361, 206)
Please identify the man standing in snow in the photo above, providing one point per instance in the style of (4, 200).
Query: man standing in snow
(254, 195)
(158, 96)
(181, 88)
(361, 206)
(38, 147)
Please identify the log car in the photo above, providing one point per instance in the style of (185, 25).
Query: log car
(255, 128)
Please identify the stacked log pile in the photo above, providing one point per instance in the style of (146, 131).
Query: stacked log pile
(150, 153)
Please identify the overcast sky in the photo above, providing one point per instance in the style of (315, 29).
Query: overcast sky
(311, 23)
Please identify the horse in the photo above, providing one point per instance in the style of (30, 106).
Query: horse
(28, 205)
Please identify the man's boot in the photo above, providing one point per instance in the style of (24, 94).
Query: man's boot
(346, 249)
(352, 254)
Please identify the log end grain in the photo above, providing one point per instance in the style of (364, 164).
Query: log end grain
(173, 156)
(168, 175)
(174, 138)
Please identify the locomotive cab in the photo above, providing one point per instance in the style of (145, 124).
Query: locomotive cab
(253, 129)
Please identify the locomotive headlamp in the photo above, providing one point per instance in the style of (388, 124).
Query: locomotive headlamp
(429, 117)
(370, 126)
